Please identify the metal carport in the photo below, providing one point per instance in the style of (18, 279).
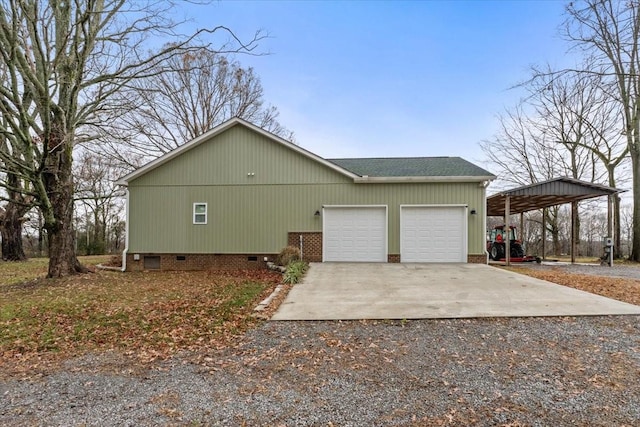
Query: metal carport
(545, 194)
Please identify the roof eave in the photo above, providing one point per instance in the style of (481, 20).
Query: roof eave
(604, 188)
(421, 179)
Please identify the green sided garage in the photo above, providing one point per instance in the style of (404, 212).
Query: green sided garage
(235, 196)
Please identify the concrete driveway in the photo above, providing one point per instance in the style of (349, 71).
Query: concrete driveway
(343, 291)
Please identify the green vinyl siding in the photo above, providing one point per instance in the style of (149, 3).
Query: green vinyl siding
(257, 218)
(257, 190)
(232, 156)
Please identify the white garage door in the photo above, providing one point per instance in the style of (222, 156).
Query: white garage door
(354, 233)
(433, 233)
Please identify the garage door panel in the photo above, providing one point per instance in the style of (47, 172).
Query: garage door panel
(355, 234)
(433, 234)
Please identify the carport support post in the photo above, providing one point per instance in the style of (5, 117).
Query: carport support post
(610, 230)
(544, 233)
(507, 228)
(522, 229)
(574, 212)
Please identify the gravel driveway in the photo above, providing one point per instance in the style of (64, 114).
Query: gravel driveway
(528, 371)
(625, 271)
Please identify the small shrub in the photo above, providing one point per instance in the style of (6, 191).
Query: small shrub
(288, 255)
(295, 271)
(114, 261)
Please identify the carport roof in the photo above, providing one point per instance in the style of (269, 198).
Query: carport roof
(545, 194)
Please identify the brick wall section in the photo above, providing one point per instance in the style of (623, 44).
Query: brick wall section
(477, 259)
(395, 258)
(202, 261)
(311, 244)
(313, 253)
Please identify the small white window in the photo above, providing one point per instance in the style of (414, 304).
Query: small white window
(199, 213)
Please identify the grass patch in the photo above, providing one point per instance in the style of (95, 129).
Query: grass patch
(12, 273)
(148, 315)
(294, 272)
(567, 258)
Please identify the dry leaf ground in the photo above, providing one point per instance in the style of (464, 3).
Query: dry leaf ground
(620, 288)
(146, 315)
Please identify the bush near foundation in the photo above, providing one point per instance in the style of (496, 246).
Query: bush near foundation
(288, 255)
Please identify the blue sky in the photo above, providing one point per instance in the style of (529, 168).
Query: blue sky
(390, 79)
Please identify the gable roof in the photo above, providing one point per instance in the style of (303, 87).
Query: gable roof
(218, 130)
(413, 167)
(361, 170)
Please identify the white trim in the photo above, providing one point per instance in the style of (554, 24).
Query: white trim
(386, 226)
(218, 130)
(126, 231)
(465, 235)
(405, 179)
(460, 205)
(354, 206)
(206, 213)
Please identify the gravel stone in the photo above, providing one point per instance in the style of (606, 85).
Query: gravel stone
(617, 270)
(485, 372)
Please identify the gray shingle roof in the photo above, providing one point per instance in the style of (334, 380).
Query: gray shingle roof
(411, 166)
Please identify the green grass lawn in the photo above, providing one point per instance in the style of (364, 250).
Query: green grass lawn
(587, 260)
(152, 314)
(567, 258)
(19, 272)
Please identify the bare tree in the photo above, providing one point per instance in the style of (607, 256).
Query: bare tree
(582, 116)
(12, 215)
(196, 92)
(522, 154)
(64, 62)
(571, 128)
(626, 216)
(99, 197)
(609, 31)
(562, 106)
(569, 110)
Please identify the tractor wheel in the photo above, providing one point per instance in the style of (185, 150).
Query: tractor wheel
(517, 251)
(497, 252)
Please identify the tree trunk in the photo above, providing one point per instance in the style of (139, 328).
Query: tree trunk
(617, 229)
(552, 228)
(635, 172)
(40, 234)
(11, 231)
(11, 228)
(58, 182)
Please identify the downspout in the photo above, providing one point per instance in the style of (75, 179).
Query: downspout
(126, 232)
(484, 221)
(301, 247)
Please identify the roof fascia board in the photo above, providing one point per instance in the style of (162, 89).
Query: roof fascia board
(408, 179)
(573, 181)
(218, 130)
